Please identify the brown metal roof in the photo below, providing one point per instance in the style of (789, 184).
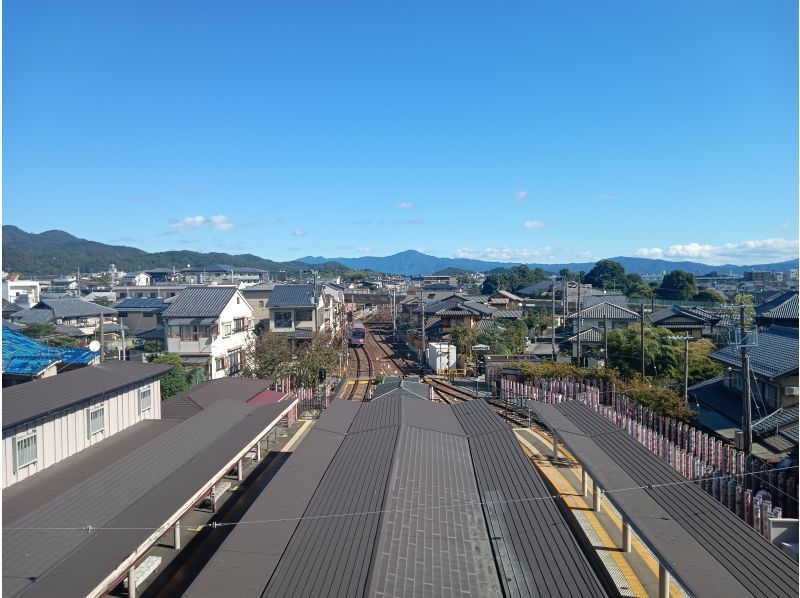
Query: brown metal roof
(38, 398)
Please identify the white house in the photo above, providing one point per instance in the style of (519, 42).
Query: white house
(209, 327)
(47, 420)
(24, 293)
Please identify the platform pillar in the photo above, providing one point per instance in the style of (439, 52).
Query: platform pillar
(626, 536)
(663, 581)
(584, 483)
(258, 450)
(596, 496)
(240, 470)
(131, 583)
(177, 537)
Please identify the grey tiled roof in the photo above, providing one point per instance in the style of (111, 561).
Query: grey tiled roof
(699, 317)
(774, 422)
(48, 310)
(784, 307)
(291, 295)
(200, 302)
(508, 313)
(606, 310)
(775, 355)
(34, 399)
(592, 335)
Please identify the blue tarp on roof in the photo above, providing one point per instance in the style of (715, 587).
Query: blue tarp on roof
(23, 356)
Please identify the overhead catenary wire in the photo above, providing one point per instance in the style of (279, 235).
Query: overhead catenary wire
(479, 503)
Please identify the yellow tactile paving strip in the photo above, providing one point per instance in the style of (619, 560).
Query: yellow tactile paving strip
(573, 499)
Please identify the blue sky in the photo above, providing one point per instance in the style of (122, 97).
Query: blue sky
(521, 131)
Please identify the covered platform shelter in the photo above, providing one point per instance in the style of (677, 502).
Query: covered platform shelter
(83, 526)
(401, 496)
(707, 548)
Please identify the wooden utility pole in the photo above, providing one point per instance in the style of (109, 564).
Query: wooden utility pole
(605, 341)
(553, 318)
(747, 433)
(642, 338)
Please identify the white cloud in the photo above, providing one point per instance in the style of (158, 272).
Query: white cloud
(650, 252)
(522, 194)
(220, 222)
(507, 254)
(745, 252)
(194, 222)
(405, 205)
(298, 232)
(534, 224)
(692, 250)
(785, 225)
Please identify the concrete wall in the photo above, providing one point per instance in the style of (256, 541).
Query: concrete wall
(64, 433)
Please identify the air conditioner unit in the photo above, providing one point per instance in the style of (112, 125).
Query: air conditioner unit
(791, 391)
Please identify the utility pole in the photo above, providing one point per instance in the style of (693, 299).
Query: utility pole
(102, 335)
(686, 340)
(580, 364)
(422, 354)
(605, 341)
(553, 318)
(747, 433)
(641, 306)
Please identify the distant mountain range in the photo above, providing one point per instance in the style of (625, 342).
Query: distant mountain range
(414, 263)
(57, 252)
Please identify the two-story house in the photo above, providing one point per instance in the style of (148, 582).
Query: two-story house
(25, 293)
(222, 274)
(257, 296)
(135, 279)
(296, 309)
(68, 311)
(209, 327)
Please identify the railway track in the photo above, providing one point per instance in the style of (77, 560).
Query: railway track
(404, 366)
(360, 385)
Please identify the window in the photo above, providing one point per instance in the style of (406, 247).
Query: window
(239, 324)
(145, 400)
(261, 304)
(283, 319)
(96, 421)
(122, 314)
(220, 363)
(734, 379)
(148, 315)
(26, 450)
(233, 360)
(122, 295)
(770, 394)
(226, 329)
(303, 316)
(153, 295)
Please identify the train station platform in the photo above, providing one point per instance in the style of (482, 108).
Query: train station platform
(634, 573)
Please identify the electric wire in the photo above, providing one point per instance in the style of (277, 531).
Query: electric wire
(479, 503)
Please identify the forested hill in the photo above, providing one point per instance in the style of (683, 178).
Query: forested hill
(58, 252)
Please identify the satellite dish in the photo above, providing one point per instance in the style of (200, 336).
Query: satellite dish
(94, 346)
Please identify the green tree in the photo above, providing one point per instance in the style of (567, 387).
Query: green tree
(268, 356)
(463, 337)
(607, 274)
(514, 336)
(624, 352)
(310, 357)
(491, 284)
(678, 285)
(709, 295)
(46, 333)
(173, 381)
(496, 340)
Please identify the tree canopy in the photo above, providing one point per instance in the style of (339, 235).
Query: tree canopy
(173, 381)
(678, 285)
(512, 279)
